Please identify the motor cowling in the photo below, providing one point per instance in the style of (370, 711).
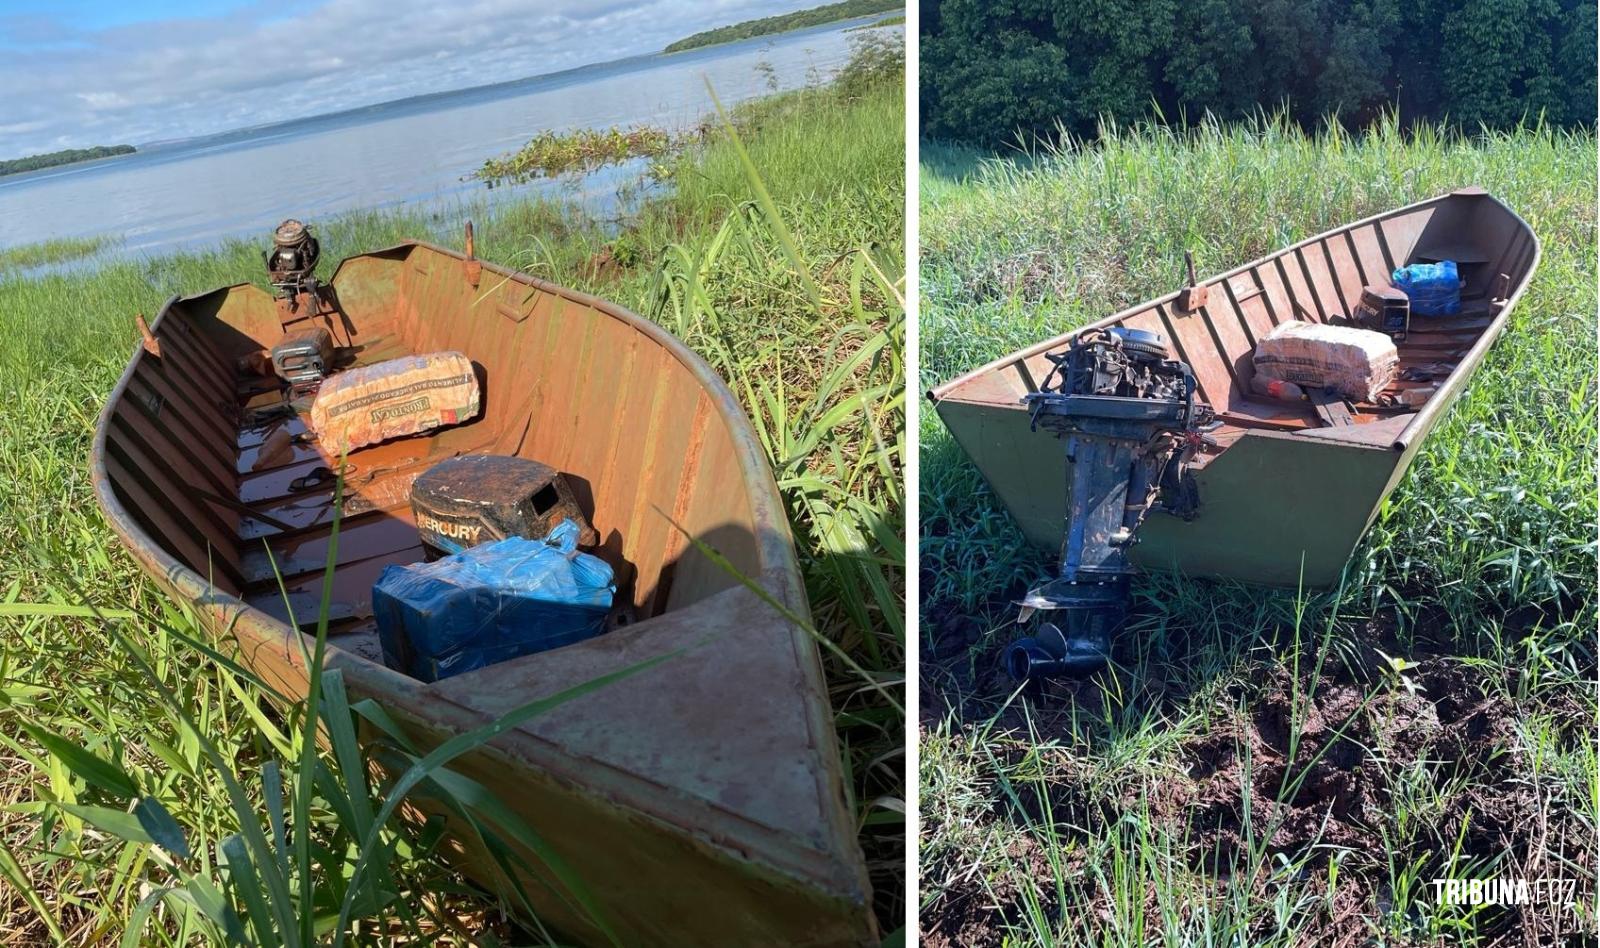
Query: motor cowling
(292, 261)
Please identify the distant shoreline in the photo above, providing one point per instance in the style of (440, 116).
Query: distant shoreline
(56, 159)
(886, 21)
(785, 23)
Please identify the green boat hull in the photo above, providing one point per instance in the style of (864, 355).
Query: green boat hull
(1284, 498)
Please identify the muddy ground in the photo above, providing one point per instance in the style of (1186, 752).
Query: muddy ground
(1330, 758)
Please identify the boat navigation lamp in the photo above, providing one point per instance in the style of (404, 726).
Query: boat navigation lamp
(292, 261)
(1130, 422)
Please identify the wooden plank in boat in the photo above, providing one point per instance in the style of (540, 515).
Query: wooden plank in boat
(457, 307)
(667, 449)
(537, 363)
(1462, 252)
(1430, 338)
(1433, 349)
(1348, 274)
(503, 397)
(182, 322)
(726, 527)
(1299, 301)
(563, 379)
(1229, 346)
(1254, 411)
(1274, 293)
(650, 382)
(419, 291)
(180, 350)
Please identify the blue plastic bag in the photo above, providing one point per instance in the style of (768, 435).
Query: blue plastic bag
(490, 603)
(1433, 288)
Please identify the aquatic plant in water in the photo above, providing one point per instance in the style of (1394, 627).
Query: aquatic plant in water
(552, 154)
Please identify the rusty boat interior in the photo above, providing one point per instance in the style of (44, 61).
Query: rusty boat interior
(709, 784)
(184, 443)
(1318, 280)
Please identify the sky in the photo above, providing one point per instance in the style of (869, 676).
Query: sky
(107, 72)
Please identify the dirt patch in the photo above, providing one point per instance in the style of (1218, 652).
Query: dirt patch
(1296, 774)
(1341, 772)
(1360, 764)
(976, 916)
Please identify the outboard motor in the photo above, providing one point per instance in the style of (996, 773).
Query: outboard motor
(292, 261)
(1130, 422)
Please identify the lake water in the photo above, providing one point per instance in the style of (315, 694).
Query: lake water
(197, 192)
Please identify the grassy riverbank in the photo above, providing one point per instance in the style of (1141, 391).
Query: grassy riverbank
(1166, 802)
(708, 261)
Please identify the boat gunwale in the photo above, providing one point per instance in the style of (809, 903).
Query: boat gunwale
(1422, 421)
(779, 853)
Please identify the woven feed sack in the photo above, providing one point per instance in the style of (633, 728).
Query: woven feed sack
(1356, 363)
(393, 399)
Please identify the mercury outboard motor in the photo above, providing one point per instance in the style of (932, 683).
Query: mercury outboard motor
(1130, 422)
(292, 261)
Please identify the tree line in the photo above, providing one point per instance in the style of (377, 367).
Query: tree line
(991, 69)
(65, 157)
(783, 23)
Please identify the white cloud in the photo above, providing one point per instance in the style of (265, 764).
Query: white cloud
(179, 78)
(100, 101)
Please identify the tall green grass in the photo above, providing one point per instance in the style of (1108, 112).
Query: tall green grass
(231, 822)
(1483, 559)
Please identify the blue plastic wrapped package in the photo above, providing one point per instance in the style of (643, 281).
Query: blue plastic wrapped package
(1434, 289)
(490, 603)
